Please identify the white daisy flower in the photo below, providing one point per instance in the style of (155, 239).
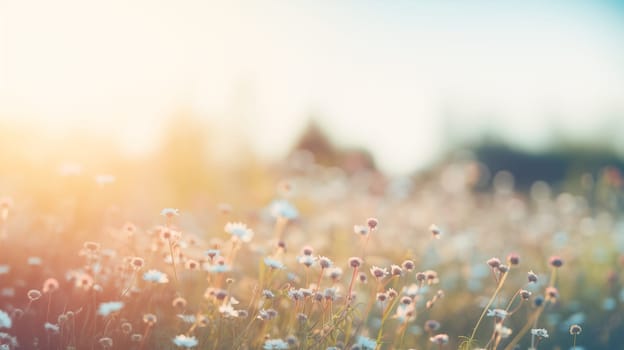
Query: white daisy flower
(155, 276)
(185, 342)
(239, 230)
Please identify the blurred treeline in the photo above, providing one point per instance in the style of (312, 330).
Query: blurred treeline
(188, 170)
(57, 175)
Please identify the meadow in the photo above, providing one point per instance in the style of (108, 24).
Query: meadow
(311, 257)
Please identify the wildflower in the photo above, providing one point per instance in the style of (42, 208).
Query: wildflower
(396, 270)
(334, 273)
(109, 307)
(92, 246)
(179, 302)
(324, 262)
(217, 268)
(330, 293)
(513, 259)
(170, 212)
(503, 331)
(292, 340)
(129, 228)
(355, 262)
(281, 208)
(50, 285)
(406, 300)
(5, 320)
(494, 263)
(392, 293)
(126, 327)
(212, 253)
(187, 318)
(51, 328)
(295, 294)
(552, 293)
(575, 329)
(408, 265)
(268, 294)
(435, 231)
(228, 310)
(420, 276)
(34, 295)
(202, 320)
(539, 332)
(525, 294)
(538, 301)
(362, 277)
(8, 341)
(361, 230)
(61, 319)
(106, 342)
(432, 277)
(191, 264)
(239, 230)
(439, 339)
(274, 264)
(275, 344)
(136, 337)
(432, 325)
(307, 250)
(155, 276)
(381, 297)
(556, 261)
(169, 235)
(306, 260)
(378, 272)
(372, 223)
(220, 294)
(265, 314)
(137, 263)
(281, 245)
(498, 313)
(405, 313)
(150, 319)
(532, 277)
(366, 343)
(185, 342)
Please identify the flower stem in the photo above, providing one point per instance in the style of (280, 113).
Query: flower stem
(487, 307)
(386, 313)
(175, 274)
(348, 296)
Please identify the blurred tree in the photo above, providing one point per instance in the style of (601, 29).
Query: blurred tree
(183, 159)
(314, 140)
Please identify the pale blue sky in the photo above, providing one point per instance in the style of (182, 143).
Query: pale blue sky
(382, 74)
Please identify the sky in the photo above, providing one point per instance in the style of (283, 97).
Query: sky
(400, 78)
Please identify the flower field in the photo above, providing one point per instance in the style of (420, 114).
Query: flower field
(320, 260)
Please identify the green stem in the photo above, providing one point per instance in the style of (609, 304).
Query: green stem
(348, 296)
(525, 329)
(487, 307)
(385, 317)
